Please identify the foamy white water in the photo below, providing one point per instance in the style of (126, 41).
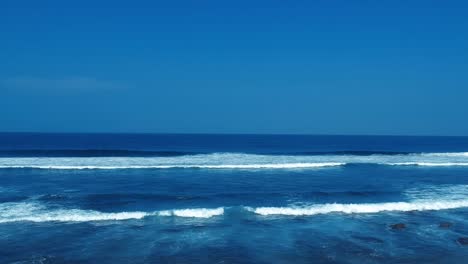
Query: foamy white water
(360, 208)
(34, 212)
(429, 164)
(233, 166)
(428, 198)
(30, 212)
(198, 213)
(424, 198)
(236, 161)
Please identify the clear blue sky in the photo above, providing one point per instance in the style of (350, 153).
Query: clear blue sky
(314, 67)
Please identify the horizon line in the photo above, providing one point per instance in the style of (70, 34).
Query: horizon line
(227, 134)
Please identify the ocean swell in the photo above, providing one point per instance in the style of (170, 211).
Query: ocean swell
(234, 161)
(359, 208)
(33, 212)
(30, 212)
(194, 166)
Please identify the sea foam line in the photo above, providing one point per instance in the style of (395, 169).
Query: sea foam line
(224, 166)
(19, 212)
(234, 161)
(359, 208)
(428, 164)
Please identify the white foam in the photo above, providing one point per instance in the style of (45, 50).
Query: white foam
(234, 161)
(198, 213)
(429, 164)
(359, 208)
(33, 212)
(447, 154)
(76, 215)
(442, 197)
(232, 166)
(276, 166)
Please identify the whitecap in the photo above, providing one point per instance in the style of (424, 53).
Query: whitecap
(35, 212)
(235, 161)
(364, 208)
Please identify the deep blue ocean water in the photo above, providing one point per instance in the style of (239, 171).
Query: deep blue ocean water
(127, 198)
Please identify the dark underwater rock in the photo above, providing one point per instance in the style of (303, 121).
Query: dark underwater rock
(463, 241)
(398, 226)
(445, 225)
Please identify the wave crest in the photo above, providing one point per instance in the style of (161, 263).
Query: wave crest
(32, 212)
(198, 213)
(233, 166)
(429, 164)
(234, 161)
(359, 208)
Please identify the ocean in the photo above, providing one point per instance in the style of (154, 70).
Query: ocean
(181, 198)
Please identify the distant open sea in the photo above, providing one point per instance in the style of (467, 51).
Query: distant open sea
(179, 198)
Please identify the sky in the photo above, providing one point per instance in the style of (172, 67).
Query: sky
(274, 67)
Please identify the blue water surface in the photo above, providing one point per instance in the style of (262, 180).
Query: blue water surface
(145, 198)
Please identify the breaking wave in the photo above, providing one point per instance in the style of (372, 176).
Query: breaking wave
(429, 164)
(359, 208)
(28, 212)
(428, 198)
(235, 161)
(33, 212)
(227, 166)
